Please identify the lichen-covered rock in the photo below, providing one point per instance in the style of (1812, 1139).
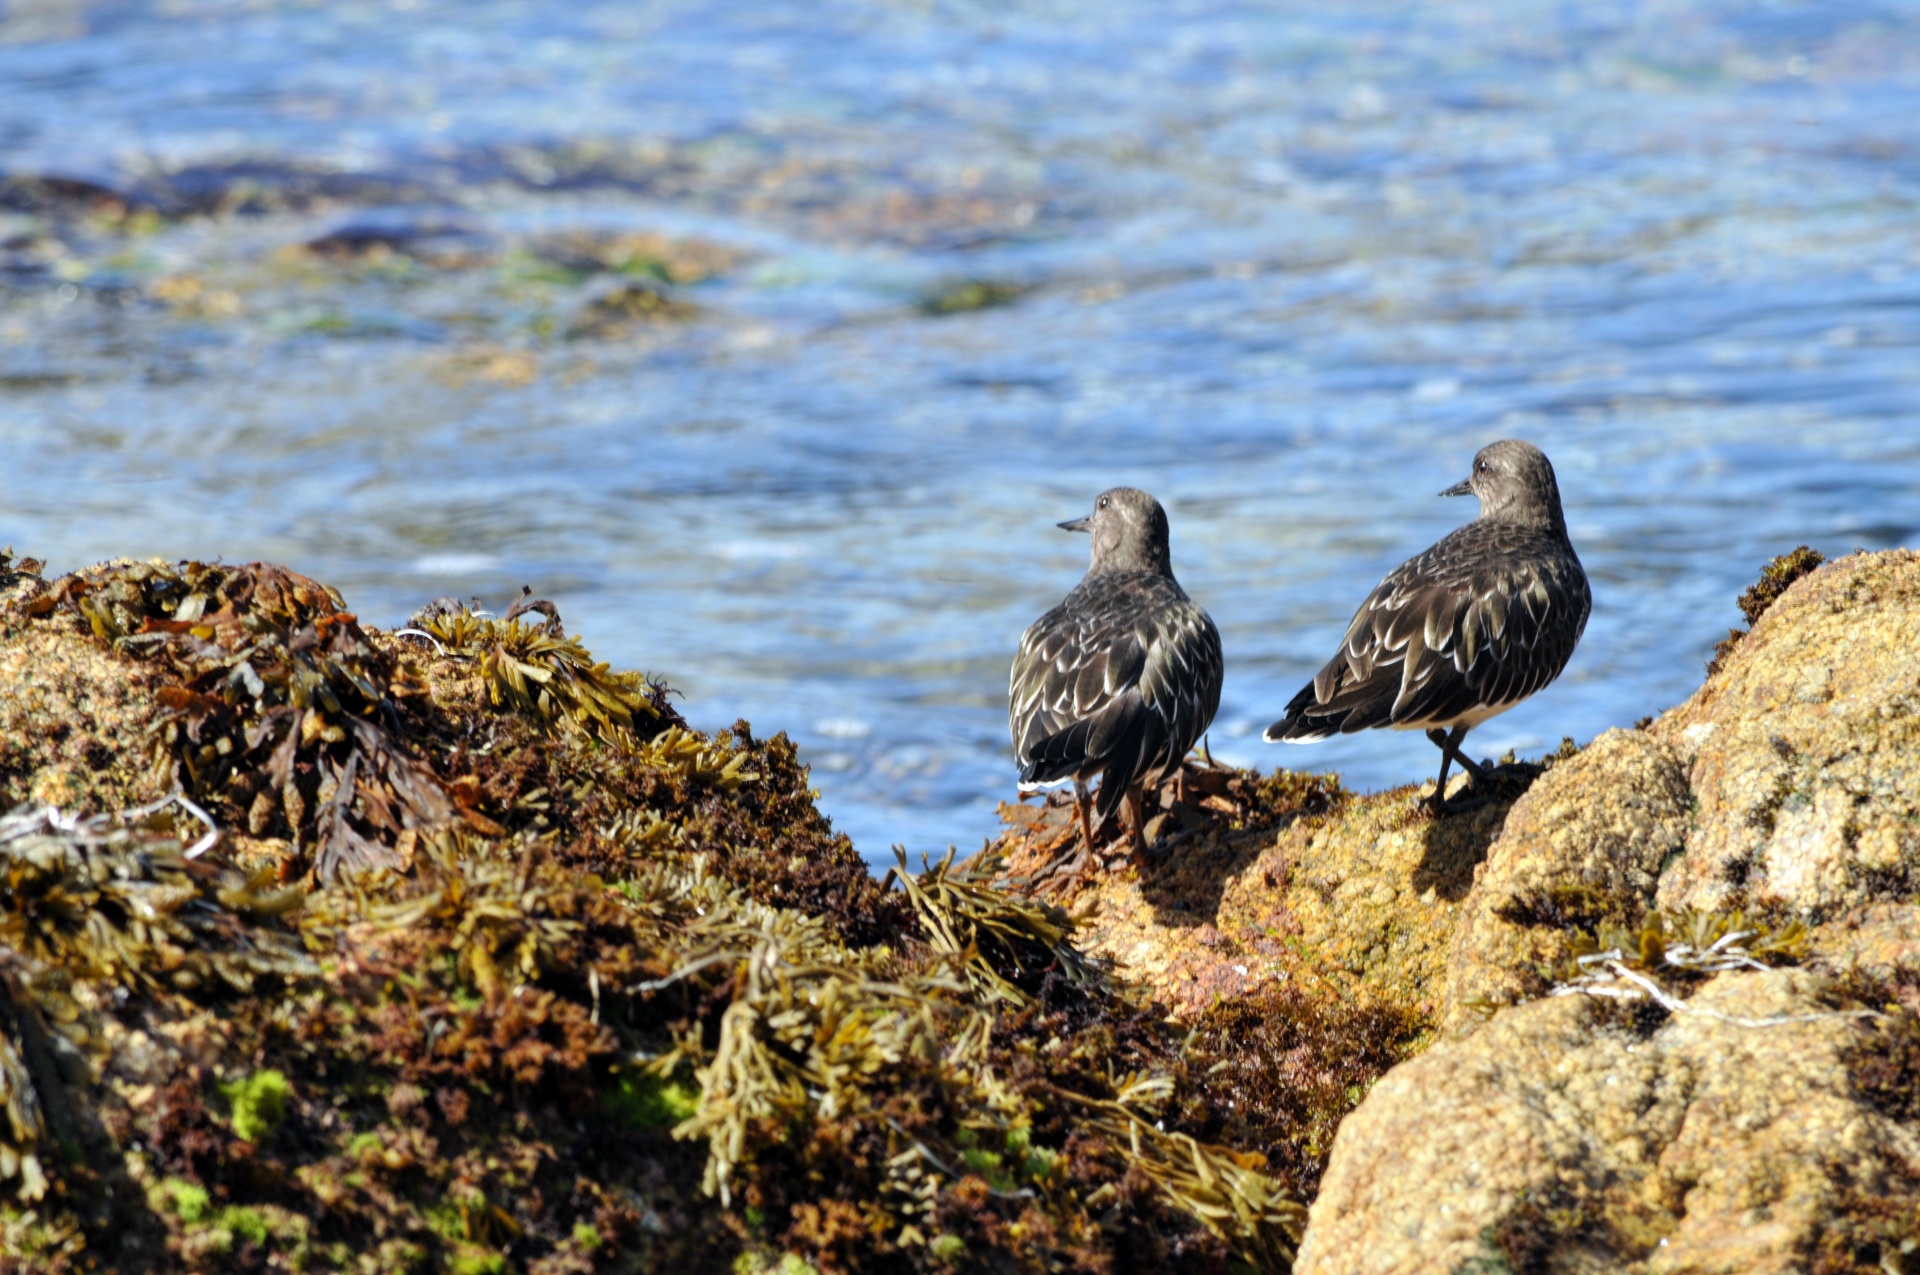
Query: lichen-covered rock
(1585, 844)
(1754, 1132)
(1803, 750)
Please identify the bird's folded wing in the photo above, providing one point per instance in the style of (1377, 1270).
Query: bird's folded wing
(1431, 650)
(1183, 672)
(1068, 672)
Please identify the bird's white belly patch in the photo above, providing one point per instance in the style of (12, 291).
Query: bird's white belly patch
(1471, 718)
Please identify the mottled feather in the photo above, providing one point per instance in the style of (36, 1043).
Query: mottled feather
(1483, 619)
(1118, 681)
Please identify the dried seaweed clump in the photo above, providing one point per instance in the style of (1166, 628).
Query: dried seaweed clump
(278, 707)
(539, 671)
(1628, 964)
(1775, 579)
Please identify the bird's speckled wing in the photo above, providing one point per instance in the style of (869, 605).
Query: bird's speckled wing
(1477, 623)
(1119, 680)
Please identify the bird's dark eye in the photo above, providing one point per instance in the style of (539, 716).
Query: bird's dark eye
(1479, 466)
(1100, 503)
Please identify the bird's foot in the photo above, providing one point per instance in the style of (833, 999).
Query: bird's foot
(1072, 866)
(1473, 794)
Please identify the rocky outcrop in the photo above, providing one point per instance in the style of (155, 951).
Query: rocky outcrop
(1788, 785)
(1745, 1121)
(1744, 1135)
(495, 965)
(1683, 1107)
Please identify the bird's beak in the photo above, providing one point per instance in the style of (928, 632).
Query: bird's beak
(1462, 488)
(1078, 524)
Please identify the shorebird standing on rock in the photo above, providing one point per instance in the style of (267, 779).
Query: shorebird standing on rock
(1464, 631)
(1121, 678)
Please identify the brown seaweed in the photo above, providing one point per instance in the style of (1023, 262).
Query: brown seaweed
(620, 961)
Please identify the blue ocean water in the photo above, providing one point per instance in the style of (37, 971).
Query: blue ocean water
(1285, 269)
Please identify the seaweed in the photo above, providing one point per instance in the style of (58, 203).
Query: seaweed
(627, 309)
(1626, 964)
(627, 1001)
(1775, 579)
(1563, 906)
(577, 253)
(1282, 1068)
(538, 670)
(277, 707)
(114, 901)
(987, 929)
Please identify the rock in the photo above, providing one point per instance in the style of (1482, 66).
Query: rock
(1559, 1138)
(1585, 843)
(1556, 1136)
(74, 720)
(629, 308)
(438, 238)
(1803, 752)
(1290, 877)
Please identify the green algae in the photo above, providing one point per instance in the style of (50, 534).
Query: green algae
(651, 1103)
(189, 1200)
(257, 1103)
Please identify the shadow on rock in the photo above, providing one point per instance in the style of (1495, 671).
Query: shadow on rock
(1456, 842)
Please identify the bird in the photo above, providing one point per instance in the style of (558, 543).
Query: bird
(1122, 678)
(1457, 634)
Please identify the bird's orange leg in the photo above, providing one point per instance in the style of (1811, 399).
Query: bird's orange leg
(1136, 820)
